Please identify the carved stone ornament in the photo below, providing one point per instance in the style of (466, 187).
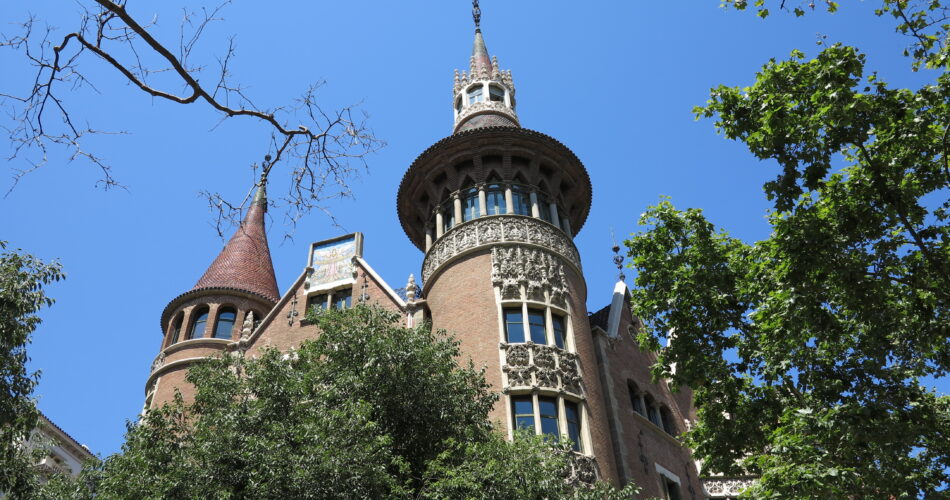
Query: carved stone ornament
(248, 325)
(158, 362)
(531, 365)
(493, 106)
(492, 230)
(721, 487)
(534, 269)
(581, 469)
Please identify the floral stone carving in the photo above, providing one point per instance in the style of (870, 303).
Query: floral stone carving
(721, 487)
(531, 365)
(537, 270)
(492, 230)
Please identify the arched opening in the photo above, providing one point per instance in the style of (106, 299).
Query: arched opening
(475, 94)
(469, 196)
(496, 93)
(198, 324)
(520, 199)
(175, 332)
(636, 399)
(669, 423)
(225, 323)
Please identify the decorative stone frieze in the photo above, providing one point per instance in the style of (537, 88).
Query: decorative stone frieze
(538, 366)
(496, 229)
(514, 267)
(725, 487)
(482, 106)
(158, 362)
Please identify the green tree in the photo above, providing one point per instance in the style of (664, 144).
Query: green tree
(811, 351)
(366, 410)
(22, 278)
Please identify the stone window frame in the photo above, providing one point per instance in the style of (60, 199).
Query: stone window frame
(561, 401)
(175, 328)
(665, 479)
(550, 310)
(193, 320)
(329, 295)
(217, 319)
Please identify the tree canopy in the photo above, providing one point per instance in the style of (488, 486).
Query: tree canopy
(22, 278)
(811, 351)
(366, 410)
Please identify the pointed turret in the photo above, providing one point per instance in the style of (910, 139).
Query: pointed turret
(485, 96)
(245, 262)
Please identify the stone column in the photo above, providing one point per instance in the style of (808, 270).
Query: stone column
(535, 210)
(457, 203)
(509, 200)
(439, 226)
(555, 219)
(482, 201)
(428, 238)
(566, 225)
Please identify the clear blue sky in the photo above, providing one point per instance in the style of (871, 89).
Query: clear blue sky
(614, 81)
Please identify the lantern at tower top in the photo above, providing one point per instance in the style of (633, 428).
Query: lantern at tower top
(485, 95)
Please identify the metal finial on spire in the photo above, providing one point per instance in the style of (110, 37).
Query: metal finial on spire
(477, 15)
(618, 259)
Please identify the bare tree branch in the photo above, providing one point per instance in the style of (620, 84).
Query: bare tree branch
(320, 154)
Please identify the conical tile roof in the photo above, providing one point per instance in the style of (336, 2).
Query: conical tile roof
(245, 262)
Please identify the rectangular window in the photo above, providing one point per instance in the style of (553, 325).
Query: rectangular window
(559, 331)
(318, 302)
(514, 326)
(573, 417)
(545, 210)
(448, 215)
(524, 412)
(521, 201)
(475, 95)
(536, 324)
(470, 205)
(671, 490)
(341, 298)
(495, 93)
(548, 410)
(495, 199)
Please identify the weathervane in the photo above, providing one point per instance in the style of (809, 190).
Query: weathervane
(477, 15)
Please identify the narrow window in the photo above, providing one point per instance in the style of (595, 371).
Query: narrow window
(573, 424)
(545, 210)
(671, 490)
(317, 302)
(559, 331)
(342, 298)
(495, 199)
(469, 204)
(448, 215)
(514, 326)
(225, 323)
(521, 200)
(654, 415)
(474, 95)
(176, 329)
(536, 325)
(524, 412)
(496, 93)
(198, 325)
(548, 410)
(458, 104)
(666, 417)
(635, 400)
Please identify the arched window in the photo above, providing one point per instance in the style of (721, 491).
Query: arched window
(176, 329)
(495, 199)
(496, 93)
(475, 95)
(198, 324)
(225, 323)
(666, 417)
(521, 200)
(636, 401)
(653, 413)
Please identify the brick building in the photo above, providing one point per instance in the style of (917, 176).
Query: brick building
(494, 208)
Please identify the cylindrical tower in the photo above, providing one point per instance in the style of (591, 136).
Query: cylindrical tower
(495, 208)
(232, 296)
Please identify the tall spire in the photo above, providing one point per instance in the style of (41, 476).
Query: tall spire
(485, 96)
(245, 262)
